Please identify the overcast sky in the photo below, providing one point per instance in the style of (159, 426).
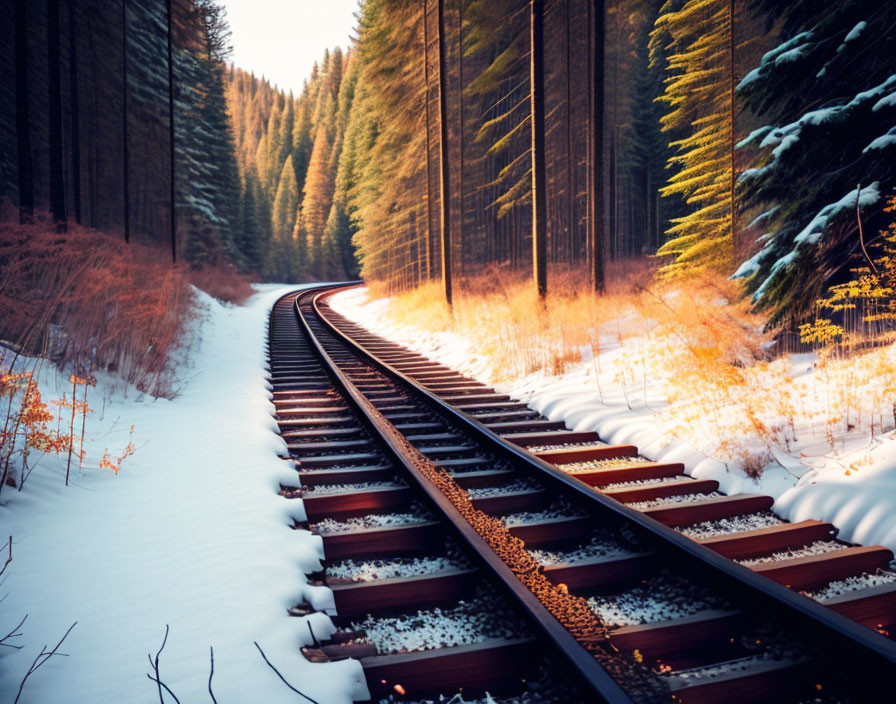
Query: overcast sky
(281, 39)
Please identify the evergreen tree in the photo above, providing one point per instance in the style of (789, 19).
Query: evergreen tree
(281, 264)
(317, 199)
(830, 126)
(698, 35)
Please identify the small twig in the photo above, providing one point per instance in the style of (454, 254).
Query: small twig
(9, 557)
(41, 658)
(861, 233)
(281, 676)
(313, 637)
(211, 651)
(13, 634)
(154, 664)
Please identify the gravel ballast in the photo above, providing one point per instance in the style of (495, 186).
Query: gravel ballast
(660, 598)
(471, 621)
(727, 526)
(374, 520)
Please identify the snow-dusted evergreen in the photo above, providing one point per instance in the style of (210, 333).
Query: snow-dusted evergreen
(827, 147)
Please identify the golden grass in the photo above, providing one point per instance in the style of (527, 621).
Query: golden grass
(521, 334)
(696, 341)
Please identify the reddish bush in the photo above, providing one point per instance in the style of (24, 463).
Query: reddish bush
(223, 282)
(88, 300)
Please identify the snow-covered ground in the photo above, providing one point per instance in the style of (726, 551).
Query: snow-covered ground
(854, 488)
(191, 533)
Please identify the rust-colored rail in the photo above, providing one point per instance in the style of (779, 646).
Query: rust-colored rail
(379, 432)
(469, 424)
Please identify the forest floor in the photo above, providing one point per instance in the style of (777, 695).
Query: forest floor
(686, 375)
(191, 534)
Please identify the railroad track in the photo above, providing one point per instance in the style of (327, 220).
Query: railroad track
(439, 533)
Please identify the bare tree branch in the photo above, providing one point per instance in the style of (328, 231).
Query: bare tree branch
(9, 558)
(281, 676)
(154, 664)
(313, 637)
(41, 658)
(211, 651)
(13, 634)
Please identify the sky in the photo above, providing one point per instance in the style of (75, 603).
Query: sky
(281, 39)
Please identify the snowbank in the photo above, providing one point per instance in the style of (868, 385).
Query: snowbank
(855, 489)
(191, 533)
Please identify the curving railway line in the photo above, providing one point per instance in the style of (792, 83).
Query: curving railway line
(473, 546)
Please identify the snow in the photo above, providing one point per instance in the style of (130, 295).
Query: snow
(602, 544)
(696, 674)
(559, 509)
(672, 500)
(862, 198)
(471, 621)
(858, 583)
(852, 485)
(663, 597)
(373, 520)
(519, 485)
(811, 233)
(635, 483)
(191, 533)
(727, 526)
(855, 32)
(372, 570)
(334, 489)
(609, 463)
(884, 141)
(819, 547)
(787, 51)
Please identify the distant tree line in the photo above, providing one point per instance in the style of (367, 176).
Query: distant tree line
(289, 151)
(698, 130)
(745, 137)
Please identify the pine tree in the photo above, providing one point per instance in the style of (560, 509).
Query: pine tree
(829, 126)
(317, 199)
(283, 218)
(699, 93)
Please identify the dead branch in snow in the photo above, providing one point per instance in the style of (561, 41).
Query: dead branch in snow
(211, 651)
(281, 676)
(41, 658)
(154, 664)
(14, 633)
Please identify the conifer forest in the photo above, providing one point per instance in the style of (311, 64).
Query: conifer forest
(739, 137)
(448, 351)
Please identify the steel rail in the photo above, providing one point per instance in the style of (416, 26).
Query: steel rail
(591, 675)
(873, 651)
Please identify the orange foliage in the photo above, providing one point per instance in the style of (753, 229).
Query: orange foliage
(89, 301)
(130, 449)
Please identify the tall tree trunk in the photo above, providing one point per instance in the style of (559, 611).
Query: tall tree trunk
(126, 167)
(171, 161)
(460, 133)
(444, 182)
(92, 137)
(570, 162)
(733, 180)
(536, 92)
(23, 121)
(54, 119)
(428, 228)
(596, 218)
(74, 106)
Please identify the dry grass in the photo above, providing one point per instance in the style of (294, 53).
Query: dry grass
(502, 312)
(696, 343)
(223, 282)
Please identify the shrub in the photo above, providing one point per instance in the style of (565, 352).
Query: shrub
(89, 301)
